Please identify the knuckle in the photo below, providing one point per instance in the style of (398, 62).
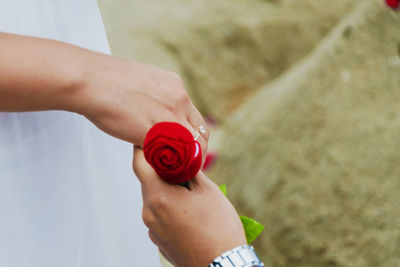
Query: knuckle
(148, 218)
(175, 77)
(151, 236)
(179, 100)
(135, 166)
(157, 202)
(182, 100)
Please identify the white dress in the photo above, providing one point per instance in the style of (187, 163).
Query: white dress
(68, 196)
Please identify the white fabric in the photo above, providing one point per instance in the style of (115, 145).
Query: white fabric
(68, 196)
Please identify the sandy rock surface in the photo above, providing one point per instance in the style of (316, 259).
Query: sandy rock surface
(309, 94)
(316, 153)
(225, 49)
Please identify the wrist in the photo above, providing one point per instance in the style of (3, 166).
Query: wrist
(84, 93)
(74, 80)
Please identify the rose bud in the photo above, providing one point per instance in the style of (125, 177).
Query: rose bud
(172, 151)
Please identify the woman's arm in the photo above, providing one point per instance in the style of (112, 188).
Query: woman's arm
(39, 74)
(121, 97)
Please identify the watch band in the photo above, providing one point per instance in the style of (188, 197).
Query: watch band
(242, 256)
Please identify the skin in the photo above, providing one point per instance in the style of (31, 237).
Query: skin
(191, 226)
(123, 98)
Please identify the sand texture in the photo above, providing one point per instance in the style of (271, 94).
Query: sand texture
(308, 98)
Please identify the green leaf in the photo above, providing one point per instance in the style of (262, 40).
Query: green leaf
(252, 228)
(222, 187)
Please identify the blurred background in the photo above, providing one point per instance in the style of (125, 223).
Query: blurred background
(303, 97)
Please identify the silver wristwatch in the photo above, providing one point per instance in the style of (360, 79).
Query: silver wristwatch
(243, 256)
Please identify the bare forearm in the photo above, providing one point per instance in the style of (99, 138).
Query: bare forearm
(123, 98)
(40, 74)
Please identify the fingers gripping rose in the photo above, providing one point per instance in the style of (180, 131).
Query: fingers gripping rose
(171, 150)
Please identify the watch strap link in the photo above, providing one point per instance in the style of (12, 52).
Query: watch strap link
(242, 256)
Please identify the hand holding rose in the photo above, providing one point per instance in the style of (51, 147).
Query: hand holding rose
(191, 227)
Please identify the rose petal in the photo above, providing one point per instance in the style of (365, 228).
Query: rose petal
(178, 145)
(169, 130)
(172, 152)
(195, 164)
(169, 157)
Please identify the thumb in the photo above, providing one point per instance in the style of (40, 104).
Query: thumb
(141, 167)
(146, 174)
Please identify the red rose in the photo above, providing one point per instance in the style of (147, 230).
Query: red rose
(393, 3)
(172, 151)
